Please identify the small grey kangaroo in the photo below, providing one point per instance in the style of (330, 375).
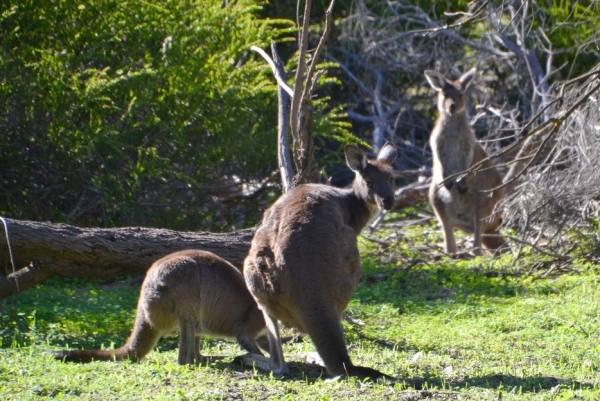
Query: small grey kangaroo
(461, 203)
(304, 265)
(194, 292)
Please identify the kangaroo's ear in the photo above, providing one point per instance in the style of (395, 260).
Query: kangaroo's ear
(356, 159)
(387, 153)
(435, 79)
(467, 77)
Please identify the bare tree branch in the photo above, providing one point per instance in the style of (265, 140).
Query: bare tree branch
(283, 118)
(302, 109)
(299, 79)
(279, 76)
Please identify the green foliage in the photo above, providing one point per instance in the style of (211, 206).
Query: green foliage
(108, 310)
(140, 113)
(131, 113)
(575, 29)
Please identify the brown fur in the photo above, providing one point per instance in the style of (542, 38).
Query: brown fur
(461, 203)
(304, 266)
(194, 292)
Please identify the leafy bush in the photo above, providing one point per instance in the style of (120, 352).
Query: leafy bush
(134, 113)
(575, 32)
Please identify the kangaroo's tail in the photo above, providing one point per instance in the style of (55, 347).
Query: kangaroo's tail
(143, 338)
(86, 356)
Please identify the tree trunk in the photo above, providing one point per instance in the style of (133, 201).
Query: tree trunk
(42, 250)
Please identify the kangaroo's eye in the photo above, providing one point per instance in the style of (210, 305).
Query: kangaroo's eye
(370, 184)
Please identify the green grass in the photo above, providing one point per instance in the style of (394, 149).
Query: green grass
(469, 329)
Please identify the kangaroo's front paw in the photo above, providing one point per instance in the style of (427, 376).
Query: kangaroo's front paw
(461, 187)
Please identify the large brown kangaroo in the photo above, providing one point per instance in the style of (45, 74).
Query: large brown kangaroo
(461, 203)
(304, 266)
(196, 293)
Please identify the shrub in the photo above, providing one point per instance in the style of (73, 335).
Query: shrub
(134, 113)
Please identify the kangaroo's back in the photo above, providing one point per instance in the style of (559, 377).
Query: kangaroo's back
(308, 229)
(198, 284)
(192, 292)
(467, 203)
(303, 265)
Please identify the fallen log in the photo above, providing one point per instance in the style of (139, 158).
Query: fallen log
(42, 250)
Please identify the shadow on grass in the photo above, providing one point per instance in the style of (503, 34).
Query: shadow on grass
(508, 383)
(425, 285)
(310, 373)
(303, 371)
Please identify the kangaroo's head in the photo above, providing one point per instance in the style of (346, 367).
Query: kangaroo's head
(374, 182)
(451, 94)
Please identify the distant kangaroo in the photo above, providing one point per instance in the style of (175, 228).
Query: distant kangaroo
(196, 293)
(461, 203)
(304, 266)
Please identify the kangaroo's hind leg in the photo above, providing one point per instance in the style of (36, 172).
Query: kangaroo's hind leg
(494, 241)
(477, 232)
(325, 329)
(189, 344)
(447, 226)
(248, 343)
(275, 363)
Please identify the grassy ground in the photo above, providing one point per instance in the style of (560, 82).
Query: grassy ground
(449, 329)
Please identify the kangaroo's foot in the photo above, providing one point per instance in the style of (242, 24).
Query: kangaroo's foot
(261, 362)
(462, 255)
(311, 358)
(366, 374)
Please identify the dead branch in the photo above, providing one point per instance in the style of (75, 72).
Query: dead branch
(301, 109)
(412, 173)
(411, 194)
(377, 241)
(536, 248)
(409, 223)
(275, 67)
(284, 92)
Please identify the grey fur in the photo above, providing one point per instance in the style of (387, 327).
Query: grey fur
(192, 292)
(461, 203)
(304, 266)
